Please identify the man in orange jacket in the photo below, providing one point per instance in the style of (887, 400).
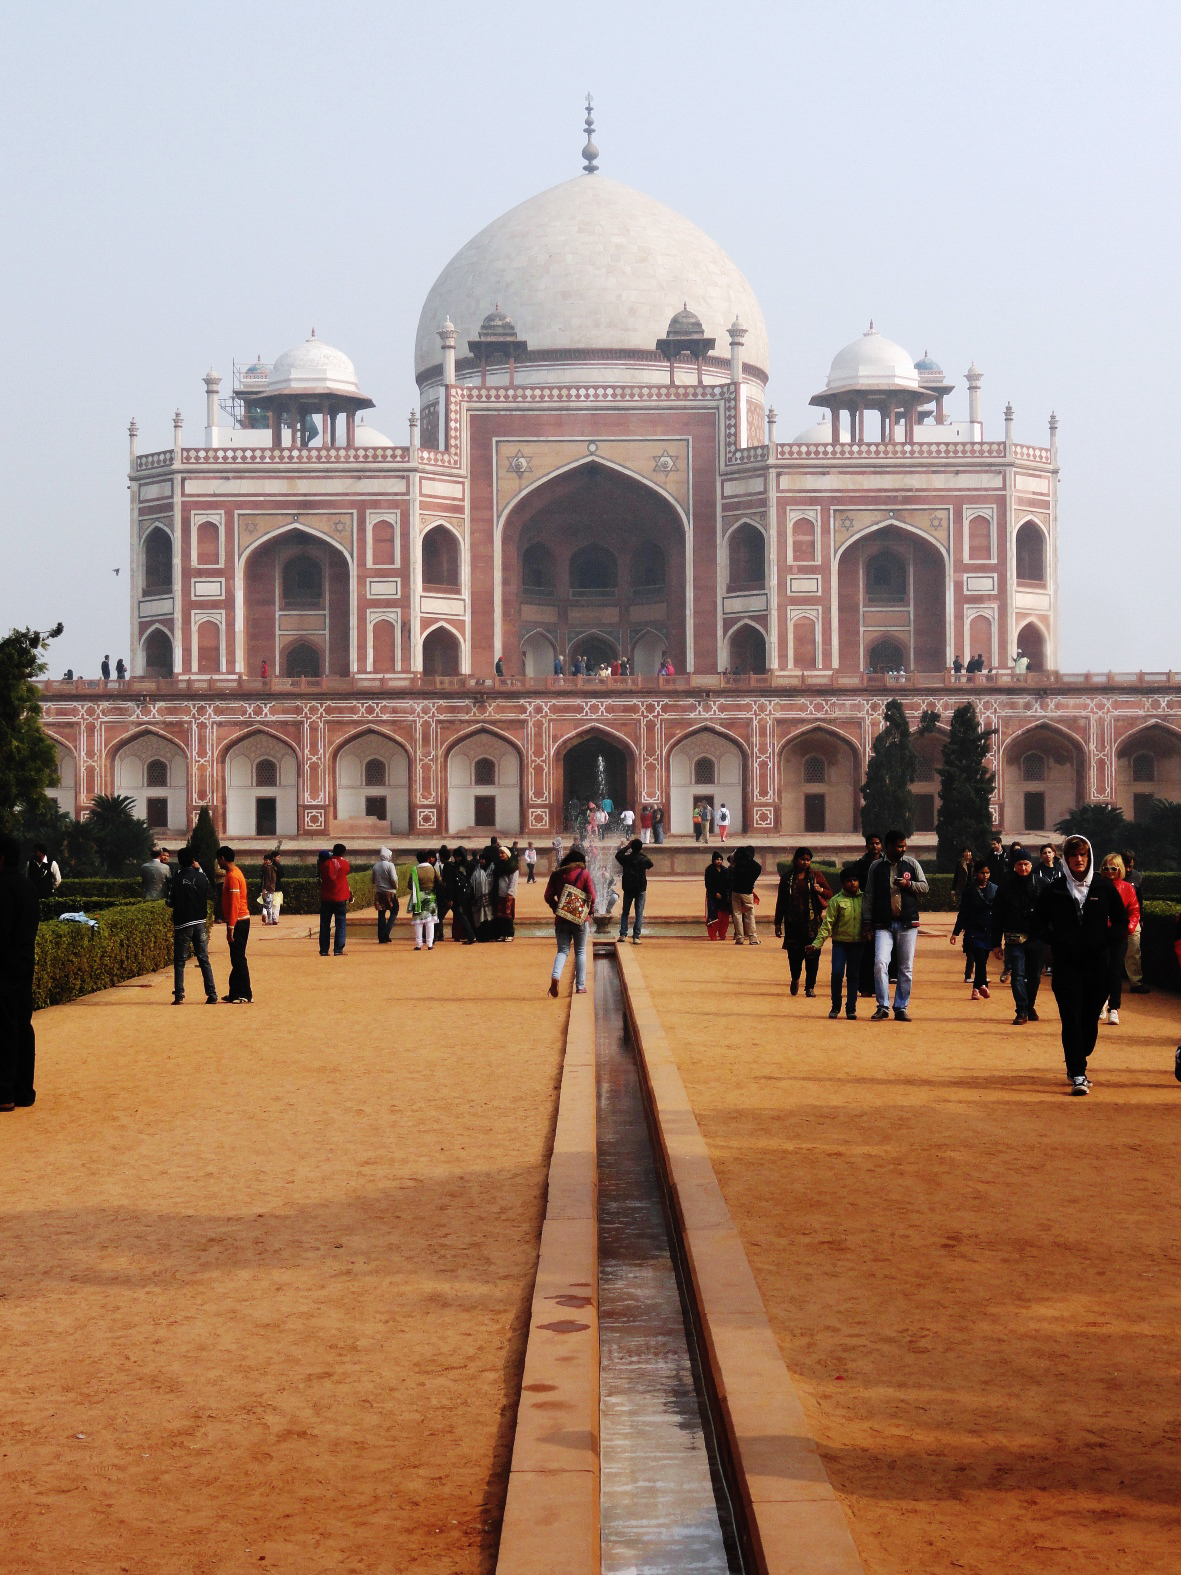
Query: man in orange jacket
(236, 915)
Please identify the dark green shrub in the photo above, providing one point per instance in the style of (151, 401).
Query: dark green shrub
(77, 889)
(52, 907)
(1158, 924)
(73, 960)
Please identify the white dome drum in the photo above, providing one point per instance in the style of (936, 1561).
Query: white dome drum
(591, 265)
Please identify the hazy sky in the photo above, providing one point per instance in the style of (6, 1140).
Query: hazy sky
(183, 185)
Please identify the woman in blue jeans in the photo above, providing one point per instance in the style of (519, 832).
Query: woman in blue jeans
(568, 891)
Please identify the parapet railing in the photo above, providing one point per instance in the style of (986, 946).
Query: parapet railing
(678, 683)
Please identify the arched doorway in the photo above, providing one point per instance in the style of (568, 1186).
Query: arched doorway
(1031, 554)
(297, 606)
(594, 649)
(262, 777)
(594, 768)
(706, 767)
(157, 655)
(441, 654)
(1031, 642)
(442, 560)
(1148, 767)
(892, 585)
(156, 562)
(483, 787)
(594, 546)
(1043, 777)
(153, 772)
(819, 775)
(885, 656)
(538, 655)
(747, 650)
(373, 782)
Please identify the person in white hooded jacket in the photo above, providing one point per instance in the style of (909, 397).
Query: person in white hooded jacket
(1083, 921)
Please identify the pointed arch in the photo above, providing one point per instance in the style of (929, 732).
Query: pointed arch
(816, 802)
(687, 784)
(1039, 806)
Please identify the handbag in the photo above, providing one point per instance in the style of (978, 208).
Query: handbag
(573, 905)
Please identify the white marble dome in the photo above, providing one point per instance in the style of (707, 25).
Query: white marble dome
(370, 437)
(313, 368)
(819, 432)
(872, 361)
(590, 265)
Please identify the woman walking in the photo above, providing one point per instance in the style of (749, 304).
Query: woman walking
(959, 882)
(1115, 871)
(1083, 920)
(799, 907)
(974, 922)
(570, 893)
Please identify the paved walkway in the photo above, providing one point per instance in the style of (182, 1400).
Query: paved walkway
(973, 1277)
(266, 1269)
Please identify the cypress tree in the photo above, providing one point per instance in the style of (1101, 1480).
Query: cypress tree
(888, 802)
(205, 843)
(966, 785)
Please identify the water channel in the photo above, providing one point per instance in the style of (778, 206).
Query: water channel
(665, 1508)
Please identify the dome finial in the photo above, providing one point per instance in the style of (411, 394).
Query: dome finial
(590, 153)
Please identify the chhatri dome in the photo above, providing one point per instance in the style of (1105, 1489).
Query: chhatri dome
(592, 265)
(313, 368)
(871, 361)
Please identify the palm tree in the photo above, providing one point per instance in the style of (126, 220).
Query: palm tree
(120, 838)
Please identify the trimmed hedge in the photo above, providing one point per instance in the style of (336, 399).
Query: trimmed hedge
(303, 895)
(73, 960)
(82, 887)
(53, 907)
(1160, 886)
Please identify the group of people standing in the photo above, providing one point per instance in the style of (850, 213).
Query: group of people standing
(705, 817)
(478, 891)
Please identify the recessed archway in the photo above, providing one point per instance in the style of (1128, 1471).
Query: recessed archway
(1147, 767)
(594, 767)
(1043, 777)
(819, 774)
(747, 650)
(706, 767)
(892, 584)
(483, 786)
(153, 772)
(1031, 642)
(262, 787)
(594, 542)
(442, 655)
(373, 783)
(157, 654)
(297, 593)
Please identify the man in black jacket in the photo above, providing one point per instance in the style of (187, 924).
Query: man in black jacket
(1083, 920)
(187, 894)
(717, 898)
(744, 872)
(1012, 930)
(635, 864)
(20, 914)
(890, 913)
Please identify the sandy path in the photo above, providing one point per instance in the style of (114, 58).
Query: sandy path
(274, 1263)
(972, 1276)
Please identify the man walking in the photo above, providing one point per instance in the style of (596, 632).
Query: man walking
(335, 896)
(744, 872)
(19, 917)
(707, 819)
(890, 914)
(235, 913)
(385, 894)
(154, 875)
(530, 863)
(635, 864)
(187, 894)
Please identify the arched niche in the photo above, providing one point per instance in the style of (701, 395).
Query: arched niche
(262, 788)
(594, 648)
(892, 584)
(594, 537)
(647, 653)
(64, 792)
(373, 784)
(208, 645)
(483, 786)
(442, 654)
(156, 654)
(1043, 778)
(537, 655)
(706, 767)
(297, 593)
(442, 560)
(1147, 767)
(594, 766)
(820, 777)
(746, 559)
(153, 772)
(746, 650)
(156, 556)
(1031, 553)
(1031, 642)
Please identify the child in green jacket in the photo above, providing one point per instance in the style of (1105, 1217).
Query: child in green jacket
(842, 920)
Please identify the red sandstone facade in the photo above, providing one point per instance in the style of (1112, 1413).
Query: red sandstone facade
(314, 628)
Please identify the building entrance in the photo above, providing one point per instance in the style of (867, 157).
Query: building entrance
(593, 769)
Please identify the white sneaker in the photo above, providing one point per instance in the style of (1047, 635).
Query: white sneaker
(1079, 1085)
(1103, 1013)
(1113, 1017)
